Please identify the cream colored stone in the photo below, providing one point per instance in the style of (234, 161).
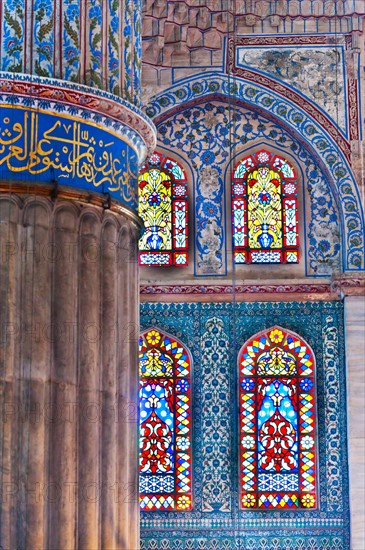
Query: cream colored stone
(355, 352)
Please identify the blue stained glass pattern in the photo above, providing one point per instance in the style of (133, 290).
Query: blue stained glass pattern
(277, 422)
(165, 423)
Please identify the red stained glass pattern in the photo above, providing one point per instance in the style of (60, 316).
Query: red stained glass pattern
(163, 207)
(165, 423)
(277, 422)
(264, 210)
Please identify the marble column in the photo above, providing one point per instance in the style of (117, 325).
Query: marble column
(355, 353)
(68, 387)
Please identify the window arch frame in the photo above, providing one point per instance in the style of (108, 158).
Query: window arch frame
(177, 254)
(288, 252)
(183, 455)
(250, 351)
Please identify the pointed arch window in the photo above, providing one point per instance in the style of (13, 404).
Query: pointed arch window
(165, 423)
(265, 210)
(277, 422)
(163, 207)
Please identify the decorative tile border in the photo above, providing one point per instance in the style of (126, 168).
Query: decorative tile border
(237, 289)
(15, 88)
(348, 286)
(332, 413)
(215, 418)
(208, 540)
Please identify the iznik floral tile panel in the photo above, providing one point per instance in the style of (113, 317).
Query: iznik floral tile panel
(317, 72)
(205, 134)
(214, 334)
(329, 154)
(215, 367)
(94, 43)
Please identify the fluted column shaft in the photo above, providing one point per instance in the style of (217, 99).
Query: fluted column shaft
(68, 386)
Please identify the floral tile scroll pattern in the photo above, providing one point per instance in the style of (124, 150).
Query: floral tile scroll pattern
(69, 39)
(43, 38)
(114, 46)
(329, 149)
(205, 134)
(137, 53)
(94, 66)
(333, 412)
(326, 528)
(12, 36)
(215, 417)
(126, 53)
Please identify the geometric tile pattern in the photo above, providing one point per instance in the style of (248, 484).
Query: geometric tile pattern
(270, 500)
(215, 418)
(326, 527)
(306, 407)
(275, 482)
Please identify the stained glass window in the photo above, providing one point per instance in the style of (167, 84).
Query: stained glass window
(165, 423)
(163, 207)
(277, 422)
(264, 210)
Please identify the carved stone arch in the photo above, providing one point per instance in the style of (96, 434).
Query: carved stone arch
(127, 243)
(109, 235)
(110, 219)
(91, 212)
(42, 204)
(165, 366)
(277, 421)
(66, 215)
(10, 208)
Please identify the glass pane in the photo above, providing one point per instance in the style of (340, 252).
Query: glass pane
(277, 422)
(165, 423)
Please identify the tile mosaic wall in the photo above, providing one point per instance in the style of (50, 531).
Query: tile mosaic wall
(206, 133)
(321, 141)
(214, 334)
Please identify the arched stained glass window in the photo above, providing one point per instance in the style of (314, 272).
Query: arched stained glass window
(264, 210)
(163, 207)
(277, 422)
(165, 423)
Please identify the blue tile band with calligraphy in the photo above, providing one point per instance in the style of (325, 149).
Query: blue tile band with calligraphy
(73, 135)
(46, 147)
